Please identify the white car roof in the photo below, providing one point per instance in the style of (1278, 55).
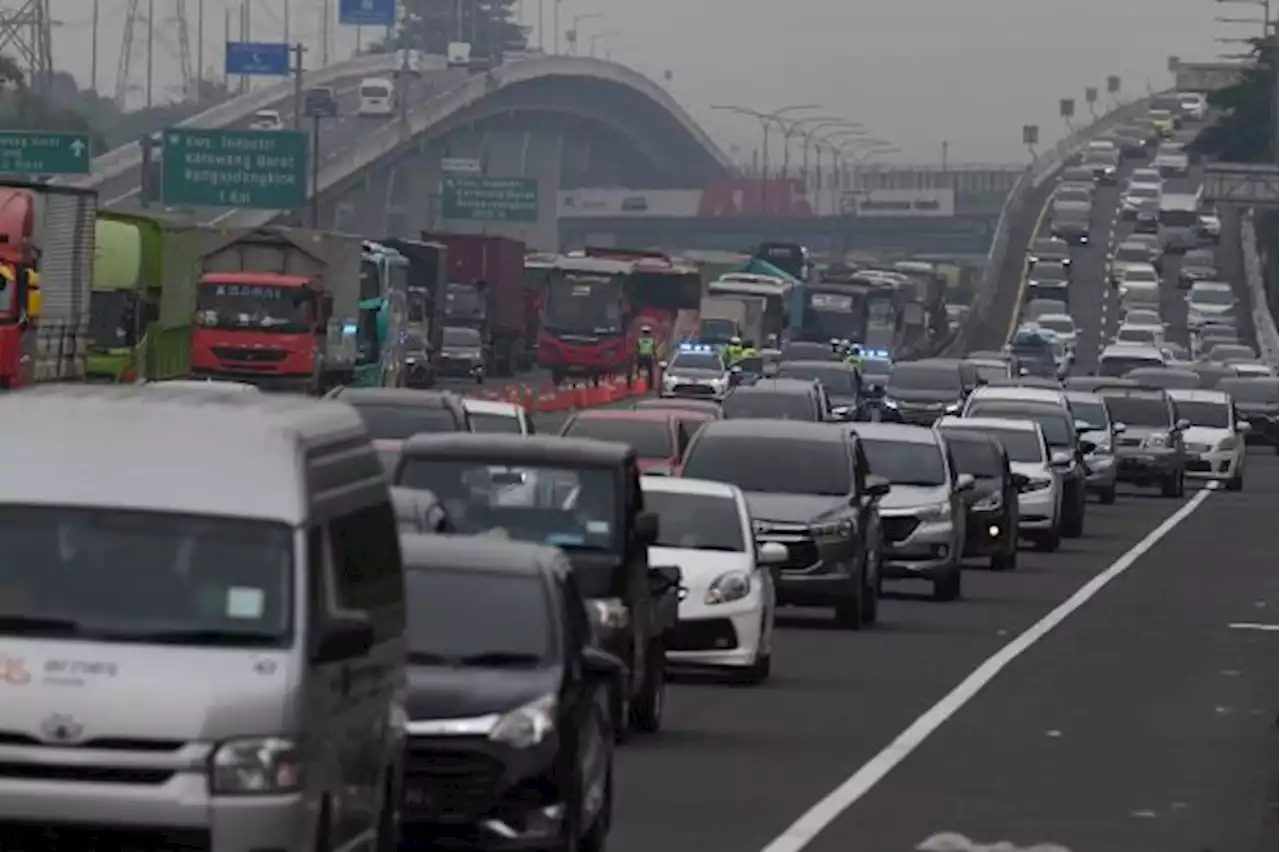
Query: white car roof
(680, 485)
(988, 424)
(1020, 393)
(1197, 395)
(1140, 267)
(1133, 350)
(1210, 285)
(489, 406)
(1055, 318)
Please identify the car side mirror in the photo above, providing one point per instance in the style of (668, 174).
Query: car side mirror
(841, 413)
(1182, 425)
(876, 486)
(1118, 428)
(772, 553)
(663, 579)
(1061, 458)
(1082, 427)
(662, 365)
(965, 482)
(735, 369)
(1087, 447)
(342, 636)
(646, 528)
(1020, 481)
(1243, 427)
(600, 664)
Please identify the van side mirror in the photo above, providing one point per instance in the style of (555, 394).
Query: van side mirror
(342, 636)
(646, 528)
(1118, 428)
(876, 486)
(1020, 481)
(1182, 425)
(772, 553)
(1243, 427)
(600, 664)
(965, 482)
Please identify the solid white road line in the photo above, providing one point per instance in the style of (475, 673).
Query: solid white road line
(1245, 625)
(804, 830)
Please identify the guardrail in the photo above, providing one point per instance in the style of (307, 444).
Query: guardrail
(1264, 324)
(1041, 169)
(120, 160)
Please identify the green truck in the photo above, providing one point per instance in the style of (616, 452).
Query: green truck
(381, 354)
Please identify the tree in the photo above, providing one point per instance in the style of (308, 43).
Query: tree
(488, 25)
(1245, 133)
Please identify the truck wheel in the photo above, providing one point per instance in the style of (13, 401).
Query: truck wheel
(646, 712)
(948, 588)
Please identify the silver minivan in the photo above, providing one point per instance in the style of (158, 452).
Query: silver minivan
(201, 624)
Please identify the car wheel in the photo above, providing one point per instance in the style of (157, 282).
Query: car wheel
(1172, 485)
(646, 714)
(948, 588)
(1007, 561)
(1108, 495)
(621, 714)
(596, 837)
(871, 590)
(1072, 523)
(849, 611)
(1236, 483)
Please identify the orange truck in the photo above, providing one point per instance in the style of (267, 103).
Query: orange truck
(46, 278)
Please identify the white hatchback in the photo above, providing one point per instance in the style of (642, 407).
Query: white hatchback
(1214, 441)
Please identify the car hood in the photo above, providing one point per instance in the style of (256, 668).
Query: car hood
(699, 568)
(1099, 437)
(794, 508)
(447, 692)
(1031, 470)
(902, 498)
(698, 375)
(1206, 435)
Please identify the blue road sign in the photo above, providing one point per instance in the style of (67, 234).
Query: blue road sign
(367, 13)
(257, 58)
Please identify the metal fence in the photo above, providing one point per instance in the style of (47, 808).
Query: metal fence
(1041, 169)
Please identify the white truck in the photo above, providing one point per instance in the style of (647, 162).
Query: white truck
(723, 317)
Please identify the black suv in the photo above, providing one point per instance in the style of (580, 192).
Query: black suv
(584, 497)
(510, 731)
(840, 382)
(991, 508)
(808, 487)
(778, 399)
(393, 414)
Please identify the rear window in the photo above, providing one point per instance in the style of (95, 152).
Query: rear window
(837, 378)
(651, 439)
(374, 92)
(906, 462)
(1116, 366)
(1210, 415)
(696, 521)
(924, 377)
(1144, 411)
(778, 465)
(1056, 425)
(763, 405)
(398, 422)
(503, 424)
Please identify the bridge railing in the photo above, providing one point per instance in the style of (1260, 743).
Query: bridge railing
(1264, 324)
(1038, 172)
(120, 160)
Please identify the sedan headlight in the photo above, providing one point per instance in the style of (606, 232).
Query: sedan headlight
(669, 380)
(611, 613)
(990, 503)
(952, 408)
(830, 528)
(889, 403)
(1156, 442)
(729, 586)
(940, 512)
(256, 765)
(527, 726)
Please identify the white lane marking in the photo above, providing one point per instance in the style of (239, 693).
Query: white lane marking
(806, 829)
(950, 841)
(1247, 625)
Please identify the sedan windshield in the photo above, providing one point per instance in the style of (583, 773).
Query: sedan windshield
(1138, 411)
(838, 378)
(443, 628)
(925, 377)
(1021, 445)
(1056, 425)
(696, 521)
(778, 466)
(1210, 415)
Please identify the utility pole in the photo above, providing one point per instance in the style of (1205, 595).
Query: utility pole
(27, 31)
(199, 49)
(325, 25)
(151, 48)
(93, 52)
(298, 50)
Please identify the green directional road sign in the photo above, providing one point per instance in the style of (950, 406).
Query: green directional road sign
(36, 152)
(264, 169)
(486, 199)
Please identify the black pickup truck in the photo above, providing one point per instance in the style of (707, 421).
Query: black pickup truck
(584, 497)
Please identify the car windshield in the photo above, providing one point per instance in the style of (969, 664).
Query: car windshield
(976, 458)
(1202, 259)
(505, 424)
(1021, 445)
(906, 462)
(1071, 195)
(96, 573)
(1212, 295)
(1138, 411)
(697, 361)
(1060, 324)
(650, 438)
(1055, 424)
(1141, 274)
(838, 378)
(1116, 366)
(1210, 415)
(1142, 316)
(1143, 191)
(1132, 254)
(1136, 334)
(992, 372)
(1050, 271)
(762, 405)
(556, 505)
(260, 307)
(442, 627)
(462, 337)
(1091, 411)
(918, 376)
(778, 465)
(696, 521)
(1226, 351)
(398, 422)
(1255, 391)
(1049, 248)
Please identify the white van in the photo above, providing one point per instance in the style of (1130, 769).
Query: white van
(201, 623)
(377, 97)
(1179, 221)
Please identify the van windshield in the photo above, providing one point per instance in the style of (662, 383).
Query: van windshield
(149, 577)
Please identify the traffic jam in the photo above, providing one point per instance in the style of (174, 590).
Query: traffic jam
(263, 595)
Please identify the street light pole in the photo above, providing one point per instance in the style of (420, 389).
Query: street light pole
(807, 139)
(595, 37)
(574, 32)
(765, 119)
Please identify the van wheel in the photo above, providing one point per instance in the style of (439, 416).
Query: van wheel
(621, 713)
(870, 602)
(849, 611)
(597, 836)
(646, 714)
(1073, 517)
(948, 588)
(1172, 486)
(1005, 561)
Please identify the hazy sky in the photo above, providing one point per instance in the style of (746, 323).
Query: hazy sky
(917, 72)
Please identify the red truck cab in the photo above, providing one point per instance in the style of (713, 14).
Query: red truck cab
(258, 327)
(20, 300)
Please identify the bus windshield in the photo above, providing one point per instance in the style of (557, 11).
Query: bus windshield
(579, 303)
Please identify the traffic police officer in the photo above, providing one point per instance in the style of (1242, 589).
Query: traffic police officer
(646, 350)
(733, 352)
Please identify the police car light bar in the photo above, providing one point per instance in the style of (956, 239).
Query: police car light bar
(877, 353)
(696, 347)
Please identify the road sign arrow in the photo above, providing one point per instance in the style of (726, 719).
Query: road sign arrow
(367, 5)
(77, 147)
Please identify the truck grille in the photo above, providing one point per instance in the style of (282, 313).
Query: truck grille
(33, 837)
(449, 782)
(86, 774)
(249, 356)
(896, 529)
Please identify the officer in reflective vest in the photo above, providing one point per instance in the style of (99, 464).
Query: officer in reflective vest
(733, 352)
(856, 363)
(646, 350)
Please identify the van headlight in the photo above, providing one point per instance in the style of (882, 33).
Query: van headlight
(1156, 442)
(940, 512)
(611, 613)
(827, 529)
(256, 765)
(728, 587)
(527, 726)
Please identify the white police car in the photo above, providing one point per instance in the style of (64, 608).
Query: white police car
(697, 370)
(876, 364)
